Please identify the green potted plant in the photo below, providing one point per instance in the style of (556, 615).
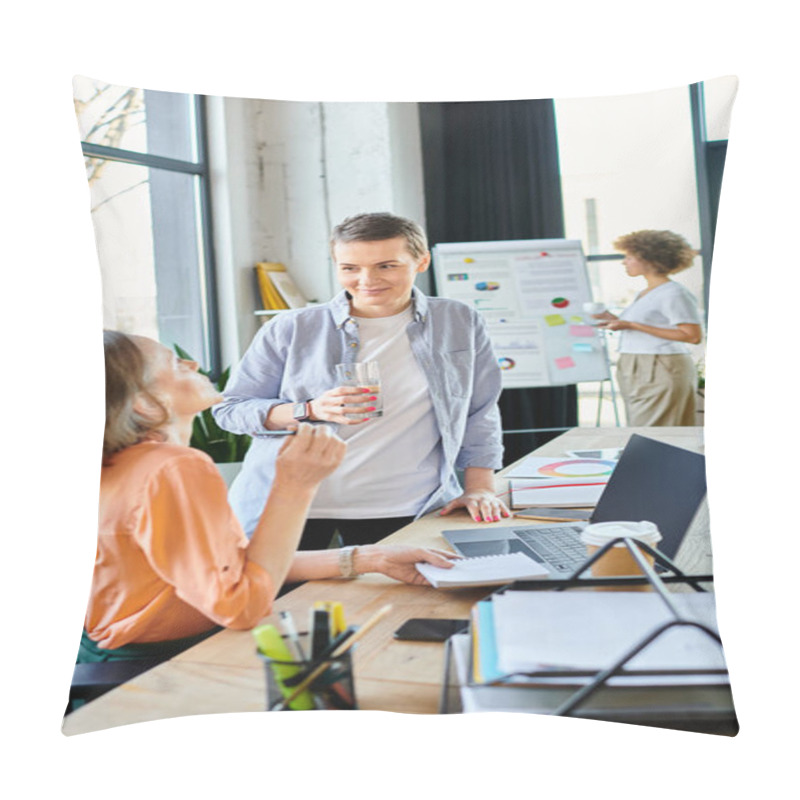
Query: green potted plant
(226, 449)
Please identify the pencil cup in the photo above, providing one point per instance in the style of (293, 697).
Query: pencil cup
(619, 560)
(333, 690)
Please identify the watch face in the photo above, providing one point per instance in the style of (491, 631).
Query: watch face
(299, 411)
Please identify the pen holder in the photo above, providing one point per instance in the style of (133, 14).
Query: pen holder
(332, 690)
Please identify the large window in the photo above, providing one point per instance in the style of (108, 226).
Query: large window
(147, 170)
(630, 162)
(627, 163)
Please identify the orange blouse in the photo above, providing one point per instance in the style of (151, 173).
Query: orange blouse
(171, 559)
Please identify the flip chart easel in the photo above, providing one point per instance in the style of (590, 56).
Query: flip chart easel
(530, 293)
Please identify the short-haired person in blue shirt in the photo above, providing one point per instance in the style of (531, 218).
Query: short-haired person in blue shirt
(440, 382)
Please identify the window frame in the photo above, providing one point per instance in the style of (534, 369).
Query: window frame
(200, 169)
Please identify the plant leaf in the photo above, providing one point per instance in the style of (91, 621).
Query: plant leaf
(223, 446)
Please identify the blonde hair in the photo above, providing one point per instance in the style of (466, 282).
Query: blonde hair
(126, 382)
(667, 251)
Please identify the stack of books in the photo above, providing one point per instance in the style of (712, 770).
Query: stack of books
(278, 291)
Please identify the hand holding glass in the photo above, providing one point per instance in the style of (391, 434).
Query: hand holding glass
(363, 374)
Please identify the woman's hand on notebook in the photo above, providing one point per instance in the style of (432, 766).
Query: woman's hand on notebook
(399, 562)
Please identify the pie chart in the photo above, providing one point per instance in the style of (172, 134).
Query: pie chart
(578, 468)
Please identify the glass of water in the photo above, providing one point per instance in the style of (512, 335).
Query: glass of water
(364, 374)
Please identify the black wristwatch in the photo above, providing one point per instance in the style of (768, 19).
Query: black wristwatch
(301, 411)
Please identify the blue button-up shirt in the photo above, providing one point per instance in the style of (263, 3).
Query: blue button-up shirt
(292, 358)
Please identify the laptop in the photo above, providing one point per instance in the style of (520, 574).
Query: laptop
(652, 481)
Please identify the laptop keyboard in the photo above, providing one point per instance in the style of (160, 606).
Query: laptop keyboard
(560, 548)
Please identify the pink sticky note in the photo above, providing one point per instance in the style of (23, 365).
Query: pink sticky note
(581, 330)
(565, 362)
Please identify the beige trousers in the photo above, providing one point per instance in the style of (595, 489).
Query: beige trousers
(658, 389)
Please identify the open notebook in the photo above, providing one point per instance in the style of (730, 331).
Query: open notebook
(484, 571)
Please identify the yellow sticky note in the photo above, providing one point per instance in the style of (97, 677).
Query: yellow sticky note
(555, 319)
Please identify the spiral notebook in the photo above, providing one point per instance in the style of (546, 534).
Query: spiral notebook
(484, 571)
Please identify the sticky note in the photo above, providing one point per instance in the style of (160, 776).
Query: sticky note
(586, 331)
(582, 347)
(565, 362)
(555, 319)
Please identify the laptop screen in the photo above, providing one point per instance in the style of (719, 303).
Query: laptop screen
(656, 482)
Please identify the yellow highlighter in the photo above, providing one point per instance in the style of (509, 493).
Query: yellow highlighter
(270, 644)
(338, 625)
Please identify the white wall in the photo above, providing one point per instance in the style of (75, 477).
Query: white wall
(283, 173)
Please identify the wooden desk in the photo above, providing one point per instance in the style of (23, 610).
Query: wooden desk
(223, 673)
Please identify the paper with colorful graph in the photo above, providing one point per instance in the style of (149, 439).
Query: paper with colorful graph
(559, 482)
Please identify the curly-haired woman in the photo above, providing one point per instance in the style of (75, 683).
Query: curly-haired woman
(655, 371)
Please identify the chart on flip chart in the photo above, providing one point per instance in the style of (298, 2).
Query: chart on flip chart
(530, 294)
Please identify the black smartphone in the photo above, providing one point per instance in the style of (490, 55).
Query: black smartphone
(430, 630)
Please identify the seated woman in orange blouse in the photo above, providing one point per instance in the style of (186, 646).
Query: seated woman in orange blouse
(172, 561)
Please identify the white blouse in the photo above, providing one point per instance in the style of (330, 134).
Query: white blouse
(666, 306)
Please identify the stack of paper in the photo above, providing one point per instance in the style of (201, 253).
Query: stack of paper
(641, 705)
(529, 493)
(564, 469)
(559, 482)
(536, 632)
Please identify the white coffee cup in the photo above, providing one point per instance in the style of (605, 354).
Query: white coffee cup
(619, 560)
(593, 308)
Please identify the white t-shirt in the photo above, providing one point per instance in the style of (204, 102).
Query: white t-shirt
(666, 306)
(392, 462)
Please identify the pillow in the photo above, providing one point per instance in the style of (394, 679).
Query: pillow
(190, 193)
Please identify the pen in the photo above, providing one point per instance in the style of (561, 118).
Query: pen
(340, 650)
(287, 623)
(267, 434)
